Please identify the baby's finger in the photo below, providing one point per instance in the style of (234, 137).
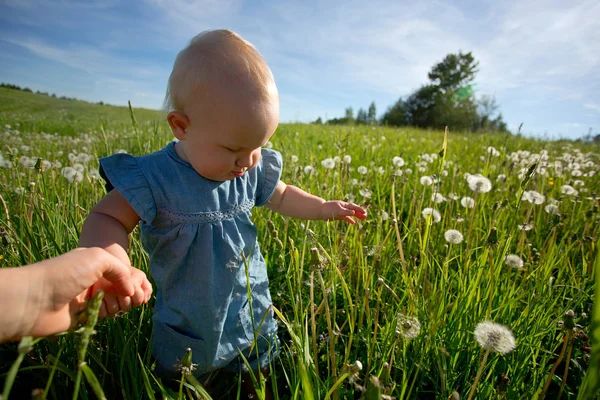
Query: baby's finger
(112, 304)
(124, 303)
(356, 208)
(102, 313)
(147, 288)
(139, 297)
(350, 220)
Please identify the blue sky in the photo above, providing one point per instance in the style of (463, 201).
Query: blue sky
(540, 59)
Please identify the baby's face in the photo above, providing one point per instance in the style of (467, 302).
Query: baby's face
(224, 137)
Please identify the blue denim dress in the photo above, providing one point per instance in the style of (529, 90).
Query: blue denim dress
(201, 241)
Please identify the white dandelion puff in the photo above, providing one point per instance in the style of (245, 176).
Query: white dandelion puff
(551, 209)
(568, 190)
(437, 198)
(408, 327)
(533, 197)
(426, 180)
(467, 202)
(366, 193)
(347, 159)
(294, 159)
(398, 161)
(525, 227)
(494, 337)
(328, 163)
(453, 236)
(435, 214)
(308, 170)
(479, 184)
(513, 261)
(362, 170)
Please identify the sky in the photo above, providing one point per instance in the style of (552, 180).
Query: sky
(539, 59)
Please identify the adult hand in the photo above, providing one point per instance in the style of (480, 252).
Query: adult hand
(44, 298)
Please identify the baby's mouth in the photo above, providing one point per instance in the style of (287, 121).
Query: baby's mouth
(238, 173)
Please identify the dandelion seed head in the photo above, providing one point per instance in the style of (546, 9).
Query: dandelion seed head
(308, 170)
(398, 161)
(366, 193)
(533, 197)
(408, 327)
(494, 337)
(467, 202)
(362, 170)
(453, 236)
(384, 215)
(438, 198)
(347, 159)
(525, 227)
(426, 180)
(435, 214)
(513, 261)
(568, 190)
(479, 184)
(294, 159)
(551, 209)
(328, 163)
(493, 152)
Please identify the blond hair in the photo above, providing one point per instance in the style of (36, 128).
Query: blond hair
(216, 58)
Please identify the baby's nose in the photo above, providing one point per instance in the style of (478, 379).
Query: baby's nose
(244, 161)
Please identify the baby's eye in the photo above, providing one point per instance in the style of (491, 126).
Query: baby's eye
(231, 150)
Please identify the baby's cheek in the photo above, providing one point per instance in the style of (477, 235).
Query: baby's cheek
(255, 159)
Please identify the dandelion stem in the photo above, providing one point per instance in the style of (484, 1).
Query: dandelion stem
(330, 330)
(566, 373)
(479, 371)
(312, 321)
(376, 325)
(558, 361)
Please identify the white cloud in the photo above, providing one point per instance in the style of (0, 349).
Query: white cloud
(590, 106)
(91, 60)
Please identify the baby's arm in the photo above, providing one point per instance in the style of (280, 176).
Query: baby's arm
(108, 226)
(294, 202)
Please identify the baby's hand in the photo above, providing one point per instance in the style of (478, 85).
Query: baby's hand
(114, 303)
(331, 210)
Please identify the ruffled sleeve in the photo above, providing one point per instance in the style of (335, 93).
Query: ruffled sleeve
(123, 172)
(269, 173)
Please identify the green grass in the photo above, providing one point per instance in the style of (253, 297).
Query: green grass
(341, 302)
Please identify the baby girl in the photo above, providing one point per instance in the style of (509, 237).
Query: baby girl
(194, 199)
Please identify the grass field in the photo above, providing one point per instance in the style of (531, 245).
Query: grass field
(443, 250)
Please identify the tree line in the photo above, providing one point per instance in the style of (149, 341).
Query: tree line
(448, 99)
(28, 90)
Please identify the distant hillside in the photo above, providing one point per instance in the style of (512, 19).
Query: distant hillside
(32, 112)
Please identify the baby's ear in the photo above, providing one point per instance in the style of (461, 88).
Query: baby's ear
(179, 123)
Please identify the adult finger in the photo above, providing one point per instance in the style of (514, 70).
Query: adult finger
(116, 272)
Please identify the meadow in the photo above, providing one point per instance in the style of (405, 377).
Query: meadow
(463, 230)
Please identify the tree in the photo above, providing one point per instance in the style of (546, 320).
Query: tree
(454, 72)
(361, 117)
(372, 114)
(349, 114)
(396, 115)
